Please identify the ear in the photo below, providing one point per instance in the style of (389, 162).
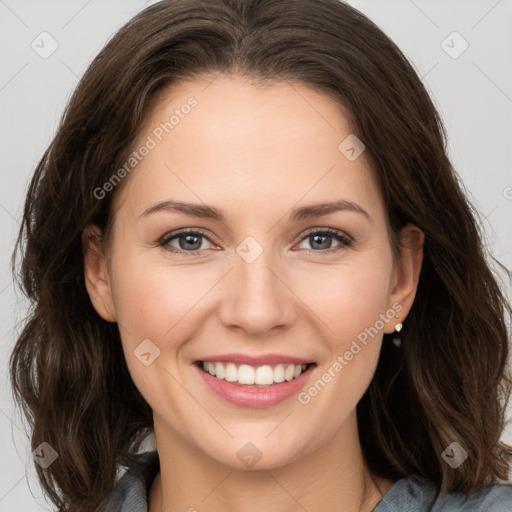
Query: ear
(97, 279)
(406, 273)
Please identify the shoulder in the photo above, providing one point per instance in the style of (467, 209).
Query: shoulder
(416, 494)
(131, 491)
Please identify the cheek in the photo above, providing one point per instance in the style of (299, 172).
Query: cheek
(350, 298)
(353, 314)
(152, 303)
(151, 300)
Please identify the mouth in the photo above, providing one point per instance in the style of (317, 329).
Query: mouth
(250, 376)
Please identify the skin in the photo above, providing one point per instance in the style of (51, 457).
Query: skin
(255, 153)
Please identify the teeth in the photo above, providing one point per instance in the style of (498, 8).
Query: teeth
(219, 370)
(248, 375)
(245, 374)
(279, 373)
(288, 373)
(231, 372)
(264, 375)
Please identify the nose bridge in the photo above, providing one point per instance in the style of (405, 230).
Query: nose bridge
(257, 299)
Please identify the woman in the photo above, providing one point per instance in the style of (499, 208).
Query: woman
(279, 373)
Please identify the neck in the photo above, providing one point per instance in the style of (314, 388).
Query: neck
(333, 474)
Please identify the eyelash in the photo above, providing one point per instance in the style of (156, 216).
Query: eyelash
(345, 240)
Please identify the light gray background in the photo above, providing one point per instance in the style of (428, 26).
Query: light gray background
(473, 93)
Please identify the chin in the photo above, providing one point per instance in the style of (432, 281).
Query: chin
(258, 454)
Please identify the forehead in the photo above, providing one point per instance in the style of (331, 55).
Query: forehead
(224, 140)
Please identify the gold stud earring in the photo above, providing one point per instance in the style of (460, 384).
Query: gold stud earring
(398, 327)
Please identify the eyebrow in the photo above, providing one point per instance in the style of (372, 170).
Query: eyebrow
(210, 212)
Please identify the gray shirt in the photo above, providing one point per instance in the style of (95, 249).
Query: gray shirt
(412, 494)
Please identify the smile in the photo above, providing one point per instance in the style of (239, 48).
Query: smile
(266, 382)
(244, 374)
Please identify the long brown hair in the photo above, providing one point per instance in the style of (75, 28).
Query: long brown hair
(448, 381)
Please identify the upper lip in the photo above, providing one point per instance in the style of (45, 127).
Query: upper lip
(267, 359)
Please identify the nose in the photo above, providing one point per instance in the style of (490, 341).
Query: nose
(256, 297)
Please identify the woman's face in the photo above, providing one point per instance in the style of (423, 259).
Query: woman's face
(261, 290)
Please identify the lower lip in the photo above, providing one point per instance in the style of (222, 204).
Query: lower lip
(257, 398)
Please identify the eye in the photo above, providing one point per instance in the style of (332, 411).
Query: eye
(186, 239)
(320, 239)
(189, 241)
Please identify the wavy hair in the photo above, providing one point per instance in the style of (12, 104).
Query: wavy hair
(449, 380)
